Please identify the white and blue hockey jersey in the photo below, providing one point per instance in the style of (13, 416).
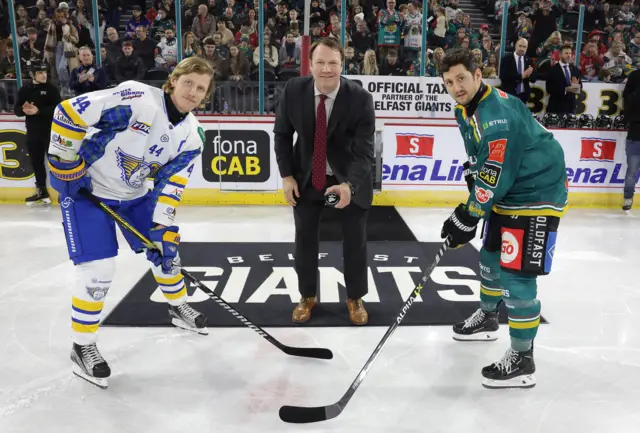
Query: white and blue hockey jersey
(124, 136)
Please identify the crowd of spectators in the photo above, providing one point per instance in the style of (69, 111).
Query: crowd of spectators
(383, 37)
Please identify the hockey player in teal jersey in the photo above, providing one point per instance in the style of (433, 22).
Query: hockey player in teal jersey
(518, 184)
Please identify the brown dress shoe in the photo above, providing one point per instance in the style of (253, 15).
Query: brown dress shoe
(357, 314)
(302, 312)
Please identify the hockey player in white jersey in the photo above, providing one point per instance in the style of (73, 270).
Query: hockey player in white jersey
(110, 142)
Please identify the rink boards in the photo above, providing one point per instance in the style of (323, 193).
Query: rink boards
(418, 163)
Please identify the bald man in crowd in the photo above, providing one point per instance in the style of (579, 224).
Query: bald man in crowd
(516, 72)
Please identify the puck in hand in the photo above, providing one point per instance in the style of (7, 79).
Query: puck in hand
(331, 199)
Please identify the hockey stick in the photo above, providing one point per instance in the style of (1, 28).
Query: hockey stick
(308, 352)
(300, 415)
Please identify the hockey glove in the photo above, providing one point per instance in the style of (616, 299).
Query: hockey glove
(68, 177)
(468, 176)
(167, 240)
(460, 227)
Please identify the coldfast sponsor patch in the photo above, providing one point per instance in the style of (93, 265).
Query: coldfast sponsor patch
(490, 174)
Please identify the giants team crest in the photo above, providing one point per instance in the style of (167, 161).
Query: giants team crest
(134, 170)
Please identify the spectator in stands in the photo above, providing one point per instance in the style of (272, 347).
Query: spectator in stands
(390, 25)
(487, 48)
(440, 30)
(271, 60)
(391, 66)
(249, 32)
(593, 18)
(204, 24)
(548, 48)
(222, 50)
(32, 48)
(227, 35)
(145, 47)
(113, 45)
(563, 84)
(167, 51)
(516, 72)
(168, 7)
(84, 35)
(362, 40)
(544, 24)
(631, 95)
(61, 54)
(87, 77)
(136, 20)
(189, 12)
(608, 18)
(590, 62)
(231, 20)
(290, 53)
(129, 66)
(190, 45)
(209, 54)
(114, 10)
(107, 64)
(161, 24)
(237, 66)
(8, 64)
(369, 65)
(350, 61)
(617, 62)
(477, 54)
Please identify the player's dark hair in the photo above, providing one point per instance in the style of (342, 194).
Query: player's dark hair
(330, 43)
(459, 56)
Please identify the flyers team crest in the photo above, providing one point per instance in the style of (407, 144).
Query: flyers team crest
(134, 171)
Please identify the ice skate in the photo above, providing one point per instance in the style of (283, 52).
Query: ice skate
(89, 365)
(514, 370)
(41, 196)
(185, 317)
(626, 206)
(480, 326)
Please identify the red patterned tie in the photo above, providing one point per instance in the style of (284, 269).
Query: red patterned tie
(319, 172)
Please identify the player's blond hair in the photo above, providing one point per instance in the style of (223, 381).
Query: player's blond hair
(187, 66)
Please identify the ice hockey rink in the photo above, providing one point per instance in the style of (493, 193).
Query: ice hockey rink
(169, 380)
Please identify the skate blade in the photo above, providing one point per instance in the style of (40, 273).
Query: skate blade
(101, 383)
(480, 336)
(39, 202)
(180, 324)
(525, 381)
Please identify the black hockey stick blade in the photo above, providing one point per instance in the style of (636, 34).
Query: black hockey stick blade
(304, 415)
(308, 352)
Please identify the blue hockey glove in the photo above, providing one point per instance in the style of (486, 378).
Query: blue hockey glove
(68, 177)
(167, 240)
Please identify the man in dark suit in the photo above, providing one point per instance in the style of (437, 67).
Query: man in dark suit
(335, 121)
(517, 72)
(563, 84)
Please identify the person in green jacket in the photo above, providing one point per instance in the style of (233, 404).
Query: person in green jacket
(518, 185)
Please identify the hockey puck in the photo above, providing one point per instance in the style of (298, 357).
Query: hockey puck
(331, 199)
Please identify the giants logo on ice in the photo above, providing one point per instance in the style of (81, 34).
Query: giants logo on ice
(414, 145)
(597, 149)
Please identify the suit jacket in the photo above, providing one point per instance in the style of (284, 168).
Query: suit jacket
(350, 135)
(509, 77)
(560, 101)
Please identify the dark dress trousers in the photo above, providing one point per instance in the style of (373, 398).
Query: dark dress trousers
(349, 152)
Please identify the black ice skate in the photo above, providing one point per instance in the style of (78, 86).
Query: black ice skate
(89, 365)
(626, 206)
(514, 370)
(481, 326)
(185, 317)
(40, 197)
